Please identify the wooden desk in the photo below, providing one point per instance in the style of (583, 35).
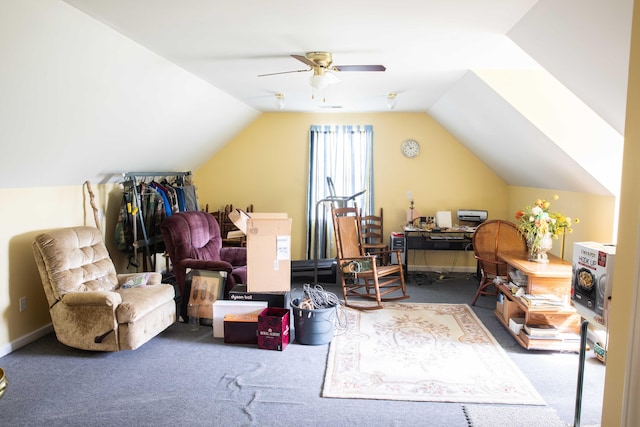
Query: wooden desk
(450, 240)
(551, 278)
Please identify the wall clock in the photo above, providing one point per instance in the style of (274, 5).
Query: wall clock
(410, 148)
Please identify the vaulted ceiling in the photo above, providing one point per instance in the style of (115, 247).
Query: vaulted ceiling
(519, 82)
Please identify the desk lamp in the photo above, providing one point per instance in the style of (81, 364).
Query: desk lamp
(412, 214)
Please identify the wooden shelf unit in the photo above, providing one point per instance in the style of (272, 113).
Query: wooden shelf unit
(551, 278)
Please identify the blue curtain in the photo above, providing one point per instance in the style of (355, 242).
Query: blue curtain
(344, 154)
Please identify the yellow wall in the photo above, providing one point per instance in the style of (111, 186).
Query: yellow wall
(267, 165)
(26, 212)
(595, 214)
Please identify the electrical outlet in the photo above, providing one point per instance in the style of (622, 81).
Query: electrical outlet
(409, 195)
(23, 304)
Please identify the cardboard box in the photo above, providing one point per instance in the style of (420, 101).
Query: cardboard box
(500, 307)
(273, 329)
(511, 310)
(221, 308)
(274, 299)
(268, 249)
(592, 280)
(241, 329)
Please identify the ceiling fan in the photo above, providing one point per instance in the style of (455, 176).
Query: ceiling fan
(321, 64)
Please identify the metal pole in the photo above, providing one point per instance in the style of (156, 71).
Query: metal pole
(316, 248)
(583, 346)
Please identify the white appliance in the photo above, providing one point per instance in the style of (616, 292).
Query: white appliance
(443, 219)
(472, 215)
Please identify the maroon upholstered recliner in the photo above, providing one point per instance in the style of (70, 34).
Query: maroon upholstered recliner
(192, 240)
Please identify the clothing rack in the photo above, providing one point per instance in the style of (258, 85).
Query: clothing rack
(132, 179)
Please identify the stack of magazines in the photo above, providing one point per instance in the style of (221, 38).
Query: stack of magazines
(541, 331)
(546, 302)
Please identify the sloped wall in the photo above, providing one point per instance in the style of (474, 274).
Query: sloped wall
(80, 101)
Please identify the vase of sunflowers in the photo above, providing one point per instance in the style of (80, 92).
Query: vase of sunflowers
(540, 226)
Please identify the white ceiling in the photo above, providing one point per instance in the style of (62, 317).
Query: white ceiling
(429, 47)
(426, 45)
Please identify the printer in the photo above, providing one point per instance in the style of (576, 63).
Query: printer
(472, 215)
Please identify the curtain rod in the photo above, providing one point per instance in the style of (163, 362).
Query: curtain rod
(132, 174)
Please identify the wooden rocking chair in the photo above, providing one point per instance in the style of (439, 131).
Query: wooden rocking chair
(360, 274)
(372, 233)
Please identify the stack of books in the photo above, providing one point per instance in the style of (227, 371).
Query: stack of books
(546, 302)
(542, 331)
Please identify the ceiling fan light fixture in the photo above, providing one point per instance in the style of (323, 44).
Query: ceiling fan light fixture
(320, 62)
(319, 81)
(392, 100)
(280, 101)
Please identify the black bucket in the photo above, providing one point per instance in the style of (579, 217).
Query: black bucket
(313, 327)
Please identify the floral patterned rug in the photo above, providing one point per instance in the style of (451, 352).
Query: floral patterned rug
(423, 352)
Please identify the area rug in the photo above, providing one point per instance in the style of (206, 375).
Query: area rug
(423, 352)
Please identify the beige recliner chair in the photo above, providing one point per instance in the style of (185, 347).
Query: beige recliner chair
(92, 307)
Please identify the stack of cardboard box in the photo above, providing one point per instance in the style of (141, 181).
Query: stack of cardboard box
(253, 306)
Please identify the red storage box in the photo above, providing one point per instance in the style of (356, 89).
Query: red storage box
(240, 329)
(273, 328)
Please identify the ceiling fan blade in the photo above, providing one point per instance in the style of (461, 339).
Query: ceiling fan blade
(306, 60)
(284, 72)
(359, 67)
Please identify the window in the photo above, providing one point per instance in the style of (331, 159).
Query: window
(344, 154)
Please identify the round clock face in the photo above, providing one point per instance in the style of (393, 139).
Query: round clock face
(410, 148)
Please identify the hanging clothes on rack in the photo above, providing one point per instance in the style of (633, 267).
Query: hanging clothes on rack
(145, 205)
(163, 191)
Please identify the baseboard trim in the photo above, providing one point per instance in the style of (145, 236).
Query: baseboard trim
(440, 269)
(26, 339)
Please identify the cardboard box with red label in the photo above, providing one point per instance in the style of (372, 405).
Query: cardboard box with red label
(273, 328)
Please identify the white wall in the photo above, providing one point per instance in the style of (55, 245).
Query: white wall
(75, 91)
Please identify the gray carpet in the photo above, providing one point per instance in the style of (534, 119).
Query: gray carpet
(189, 378)
(512, 416)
